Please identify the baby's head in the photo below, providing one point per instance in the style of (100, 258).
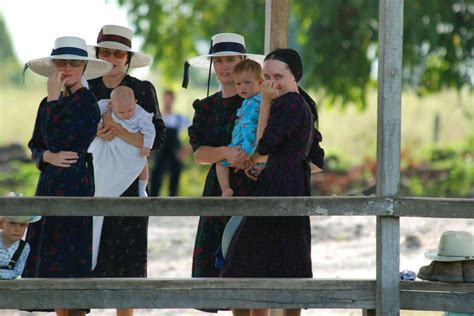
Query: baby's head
(123, 102)
(247, 77)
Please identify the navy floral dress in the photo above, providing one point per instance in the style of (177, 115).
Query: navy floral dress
(279, 246)
(61, 246)
(123, 245)
(212, 125)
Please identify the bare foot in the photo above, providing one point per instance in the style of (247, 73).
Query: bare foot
(228, 192)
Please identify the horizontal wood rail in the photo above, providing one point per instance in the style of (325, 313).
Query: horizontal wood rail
(227, 293)
(249, 206)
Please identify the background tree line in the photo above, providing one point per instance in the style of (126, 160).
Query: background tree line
(337, 39)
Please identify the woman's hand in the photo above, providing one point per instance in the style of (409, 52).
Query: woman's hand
(233, 155)
(63, 159)
(55, 85)
(252, 170)
(107, 133)
(269, 91)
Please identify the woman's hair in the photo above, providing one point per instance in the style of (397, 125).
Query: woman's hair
(250, 66)
(291, 58)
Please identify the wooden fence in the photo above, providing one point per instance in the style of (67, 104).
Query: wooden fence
(237, 293)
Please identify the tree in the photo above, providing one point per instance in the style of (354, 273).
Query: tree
(8, 60)
(337, 39)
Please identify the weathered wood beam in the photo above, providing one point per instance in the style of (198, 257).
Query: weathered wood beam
(276, 24)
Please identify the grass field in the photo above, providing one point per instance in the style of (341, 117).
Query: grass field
(350, 132)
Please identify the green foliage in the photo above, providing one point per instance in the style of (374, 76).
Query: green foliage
(21, 177)
(10, 66)
(337, 39)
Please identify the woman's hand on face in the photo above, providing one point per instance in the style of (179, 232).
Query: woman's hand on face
(63, 159)
(269, 90)
(55, 85)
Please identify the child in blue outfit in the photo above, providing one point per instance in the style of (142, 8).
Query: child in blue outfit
(247, 77)
(13, 250)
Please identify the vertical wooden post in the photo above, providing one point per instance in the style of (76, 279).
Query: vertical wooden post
(390, 41)
(276, 36)
(276, 24)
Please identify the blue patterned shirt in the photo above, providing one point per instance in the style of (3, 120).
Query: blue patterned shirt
(7, 254)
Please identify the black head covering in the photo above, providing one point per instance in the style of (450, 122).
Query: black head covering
(293, 60)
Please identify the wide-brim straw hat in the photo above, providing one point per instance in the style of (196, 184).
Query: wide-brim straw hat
(453, 246)
(224, 44)
(20, 219)
(71, 48)
(120, 38)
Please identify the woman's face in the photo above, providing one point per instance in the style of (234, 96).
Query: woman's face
(281, 76)
(118, 59)
(224, 67)
(71, 70)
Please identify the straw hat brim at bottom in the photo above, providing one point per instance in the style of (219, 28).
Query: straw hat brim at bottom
(433, 255)
(95, 67)
(203, 61)
(138, 59)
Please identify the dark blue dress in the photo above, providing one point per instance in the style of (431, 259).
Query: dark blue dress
(61, 246)
(279, 246)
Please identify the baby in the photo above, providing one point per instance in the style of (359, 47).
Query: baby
(247, 77)
(13, 250)
(117, 163)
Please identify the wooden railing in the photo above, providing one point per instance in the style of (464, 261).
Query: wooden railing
(235, 293)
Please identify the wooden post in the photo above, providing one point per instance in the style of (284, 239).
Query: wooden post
(276, 36)
(390, 41)
(276, 24)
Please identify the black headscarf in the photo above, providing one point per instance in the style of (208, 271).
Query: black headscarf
(293, 60)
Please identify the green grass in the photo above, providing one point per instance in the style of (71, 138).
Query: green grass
(349, 133)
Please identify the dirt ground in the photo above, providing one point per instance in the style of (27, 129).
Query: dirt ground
(335, 240)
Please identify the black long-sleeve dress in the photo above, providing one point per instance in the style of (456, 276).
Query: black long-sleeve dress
(61, 246)
(123, 246)
(212, 125)
(279, 246)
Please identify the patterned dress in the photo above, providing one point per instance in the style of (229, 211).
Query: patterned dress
(61, 246)
(278, 246)
(123, 246)
(212, 125)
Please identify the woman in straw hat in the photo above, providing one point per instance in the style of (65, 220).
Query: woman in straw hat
(123, 242)
(210, 133)
(65, 126)
(279, 247)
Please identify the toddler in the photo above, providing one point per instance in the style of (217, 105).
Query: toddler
(247, 77)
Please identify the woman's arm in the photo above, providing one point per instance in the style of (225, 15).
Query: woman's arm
(209, 154)
(112, 130)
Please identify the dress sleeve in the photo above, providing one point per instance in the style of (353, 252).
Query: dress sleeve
(286, 116)
(196, 130)
(148, 100)
(316, 154)
(147, 129)
(36, 144)
(62, 127)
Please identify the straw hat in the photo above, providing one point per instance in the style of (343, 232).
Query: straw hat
(71, 48)
(224, 44)
(453, 246)
(120, 38)
(20, 219)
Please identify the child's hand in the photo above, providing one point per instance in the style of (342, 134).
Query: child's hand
(145, 152)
